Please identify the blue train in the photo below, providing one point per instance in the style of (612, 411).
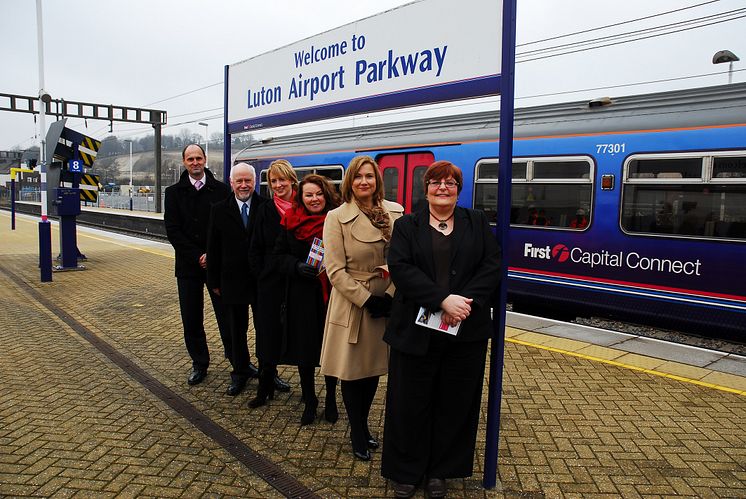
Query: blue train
(631, 207)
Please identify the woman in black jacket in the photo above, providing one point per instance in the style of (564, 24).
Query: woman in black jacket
(270, 285)
(445, 264)
(307, 292)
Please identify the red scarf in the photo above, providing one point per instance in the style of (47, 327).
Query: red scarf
(305, 227)
(282, 205)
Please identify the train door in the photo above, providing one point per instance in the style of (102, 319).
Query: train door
(402, 178)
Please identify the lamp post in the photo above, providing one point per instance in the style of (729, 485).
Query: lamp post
(207, 141)
(45, 231)
(726, 56)
(127, 140)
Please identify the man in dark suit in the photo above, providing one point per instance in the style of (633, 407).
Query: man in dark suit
(228, 273)
(186, 217)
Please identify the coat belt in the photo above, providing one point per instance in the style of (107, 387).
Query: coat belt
(361, 275)
(366, 277)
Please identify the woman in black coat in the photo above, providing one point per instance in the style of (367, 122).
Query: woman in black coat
(445, 263)
(307, 292)
(270, 285)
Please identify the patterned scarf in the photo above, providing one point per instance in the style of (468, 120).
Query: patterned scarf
(379, 218)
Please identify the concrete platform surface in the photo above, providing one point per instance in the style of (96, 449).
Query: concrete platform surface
(94, 403)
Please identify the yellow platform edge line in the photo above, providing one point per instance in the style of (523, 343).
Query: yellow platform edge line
(628, 366)
(125, 245)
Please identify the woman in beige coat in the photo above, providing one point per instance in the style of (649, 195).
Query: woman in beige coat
(356, 240)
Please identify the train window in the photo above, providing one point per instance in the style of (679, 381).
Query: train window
(390, 184)
(729, 167)
(546, 192)
(561, 169)
(671, 168)
(713, 206)
(490, 171)
(487, 171)
(417, 192)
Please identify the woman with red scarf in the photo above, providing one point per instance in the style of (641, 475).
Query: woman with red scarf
(270, 285)
(307, 292)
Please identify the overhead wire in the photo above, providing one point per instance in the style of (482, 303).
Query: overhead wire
(621, 23)
(650, 32)
(598, 28)
(185, 93)
(628, 41)
(663, 27)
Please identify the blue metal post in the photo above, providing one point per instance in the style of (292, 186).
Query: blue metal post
(226, 136)
(13, 203)
(507, 84)
(45, 227)
(45, 250)
(69, 228)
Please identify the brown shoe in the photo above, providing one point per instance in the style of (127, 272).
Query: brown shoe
(403, 489)
(435, 487)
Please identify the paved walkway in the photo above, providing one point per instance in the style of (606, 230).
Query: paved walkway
(94, 403)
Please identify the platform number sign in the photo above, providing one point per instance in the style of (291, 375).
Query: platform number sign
(75, 166)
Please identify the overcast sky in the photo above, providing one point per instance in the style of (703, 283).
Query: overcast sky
(145, 52)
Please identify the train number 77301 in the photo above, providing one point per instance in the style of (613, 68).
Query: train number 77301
(614, 148)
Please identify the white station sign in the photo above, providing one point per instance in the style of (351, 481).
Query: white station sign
(422, 52)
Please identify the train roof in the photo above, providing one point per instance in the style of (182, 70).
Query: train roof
(696, 107)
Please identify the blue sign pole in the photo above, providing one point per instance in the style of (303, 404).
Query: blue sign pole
(226, 134)
(13, 203)
(497, 352)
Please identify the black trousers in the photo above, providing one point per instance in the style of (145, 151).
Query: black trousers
(191, 303)
(432, 411)
(238, 321)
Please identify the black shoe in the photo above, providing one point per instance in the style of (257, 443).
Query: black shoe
(403, 489)
(435, 487)
(370, 441)
(253, 371)
(280, 385)
(309, 413)
(363, 456)
(261, 399)
(236, 387)
(265, 390)
(331, 413)
(197, 376)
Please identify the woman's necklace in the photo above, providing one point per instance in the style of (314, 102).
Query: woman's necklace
(442, 224)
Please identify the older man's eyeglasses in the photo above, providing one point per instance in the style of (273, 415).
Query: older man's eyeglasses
(449, 184)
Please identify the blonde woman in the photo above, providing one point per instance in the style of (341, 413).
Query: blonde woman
(271, 285)
(356, 240)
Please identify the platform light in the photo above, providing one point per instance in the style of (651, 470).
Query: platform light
(724, 56)
(600, 102)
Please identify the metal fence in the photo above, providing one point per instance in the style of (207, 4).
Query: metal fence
(140, 201)
(115, 200)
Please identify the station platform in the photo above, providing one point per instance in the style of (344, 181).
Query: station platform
(94, 401)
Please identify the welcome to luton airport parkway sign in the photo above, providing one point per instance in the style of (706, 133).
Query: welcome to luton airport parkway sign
(423, 52)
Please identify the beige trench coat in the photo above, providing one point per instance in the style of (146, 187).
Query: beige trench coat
(354, 256)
